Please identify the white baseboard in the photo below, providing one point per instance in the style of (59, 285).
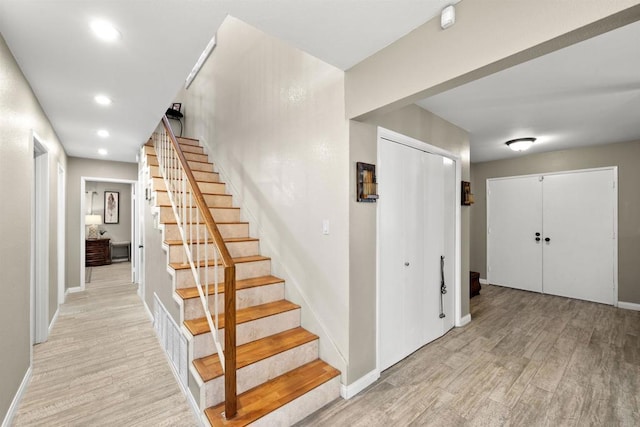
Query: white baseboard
(199, 415)
(16, 399)
(464, 320)
(348, 391)
(146, 309)
(484, 281)
(53, 321)
(74, 290)
(629, 306)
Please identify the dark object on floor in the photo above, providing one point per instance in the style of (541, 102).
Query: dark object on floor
(474, 284)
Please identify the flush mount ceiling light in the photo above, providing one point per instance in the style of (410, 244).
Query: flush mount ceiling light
(102, 99)
(102, 152)
(520, 144)
(103, 133)
(105, 30)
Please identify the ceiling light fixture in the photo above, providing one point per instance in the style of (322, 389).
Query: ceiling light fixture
(105, 30)
(520, 144)
(102, 100)
(102, 152)
(103, 133)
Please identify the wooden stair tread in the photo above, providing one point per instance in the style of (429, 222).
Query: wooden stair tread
(188, 293)
(227, 240)
(209, 367)
(200, 325)
(188, 160)
(174, 222)
(203, 192)
(265, 398)
(168, 205)
(238, 260)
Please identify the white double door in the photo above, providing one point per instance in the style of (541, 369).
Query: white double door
(554, 233)
(416, 228)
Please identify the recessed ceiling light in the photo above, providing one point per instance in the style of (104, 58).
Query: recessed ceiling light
(105, 30)
(102, 152)
(102, 99)
(520, 144)
(103, 133)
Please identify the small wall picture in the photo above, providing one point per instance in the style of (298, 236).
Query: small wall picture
(177, 106)
(111, 207)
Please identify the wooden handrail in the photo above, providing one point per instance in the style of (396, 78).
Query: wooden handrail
(231, 400)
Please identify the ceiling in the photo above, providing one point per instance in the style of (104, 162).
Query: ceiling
(585, 94)
(161, 41)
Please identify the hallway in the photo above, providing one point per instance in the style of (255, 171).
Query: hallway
(102, 364)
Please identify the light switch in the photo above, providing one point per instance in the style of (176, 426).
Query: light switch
(325, 226)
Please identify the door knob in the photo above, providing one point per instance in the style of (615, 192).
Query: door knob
(537, 239)
(406, 264)
(547, 239)
(537, 234)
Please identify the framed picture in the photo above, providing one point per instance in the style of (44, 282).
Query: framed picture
(111, 207)
(176, 106)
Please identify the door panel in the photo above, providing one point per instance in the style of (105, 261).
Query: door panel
(514, 216)
(579, 221)
(391, 254)
(449, 217)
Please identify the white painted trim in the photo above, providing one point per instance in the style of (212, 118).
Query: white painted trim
(348, 391)
(13, 408)
(40, 239)
(146, 309)
(61, 251)
(83, 211)
(53, 321)
(628, 306)
(465, 320)
(484, 281)
(399, 138)
(74, 290)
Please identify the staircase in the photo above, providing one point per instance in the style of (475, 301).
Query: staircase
(280, 378)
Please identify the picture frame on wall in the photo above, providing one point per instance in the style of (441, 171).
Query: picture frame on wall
(111, 207)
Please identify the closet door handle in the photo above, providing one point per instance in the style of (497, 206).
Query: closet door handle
(547, 239)
(537, 239)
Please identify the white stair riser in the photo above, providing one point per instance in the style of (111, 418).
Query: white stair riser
(212, 200)
(244, 298)
(262, 371)
(236, 249)
(205, 187)
(198, 175)
(152, 160)
(171, 231)
(219, 214)
(196, 157)
(304, 405)
(244, 270)
(247, 332)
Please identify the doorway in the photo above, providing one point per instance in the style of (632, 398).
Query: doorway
(40, 243)
(418, 245)
(555, 233)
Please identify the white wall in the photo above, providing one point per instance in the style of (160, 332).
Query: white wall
(273, 118)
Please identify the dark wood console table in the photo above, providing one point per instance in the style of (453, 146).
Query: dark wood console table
(97, 252)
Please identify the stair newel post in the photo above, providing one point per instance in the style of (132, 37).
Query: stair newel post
(230, 386)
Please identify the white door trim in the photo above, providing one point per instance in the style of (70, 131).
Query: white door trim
(62, 182)
(614, 170)
(83, 210)
(40, 241)
(399, 138)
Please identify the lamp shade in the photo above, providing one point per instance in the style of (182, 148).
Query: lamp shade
(93, 219)
(520, 144)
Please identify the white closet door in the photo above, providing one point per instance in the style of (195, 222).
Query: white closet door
(392, 237)
(514, 216)
(579, 223)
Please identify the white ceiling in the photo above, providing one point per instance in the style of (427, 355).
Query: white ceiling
(161, 41)
(585, 94)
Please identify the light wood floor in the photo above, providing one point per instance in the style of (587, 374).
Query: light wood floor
(102, 364)
(526, 359)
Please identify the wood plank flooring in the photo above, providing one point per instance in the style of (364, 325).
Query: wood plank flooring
(102, 364)
(526, 359)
